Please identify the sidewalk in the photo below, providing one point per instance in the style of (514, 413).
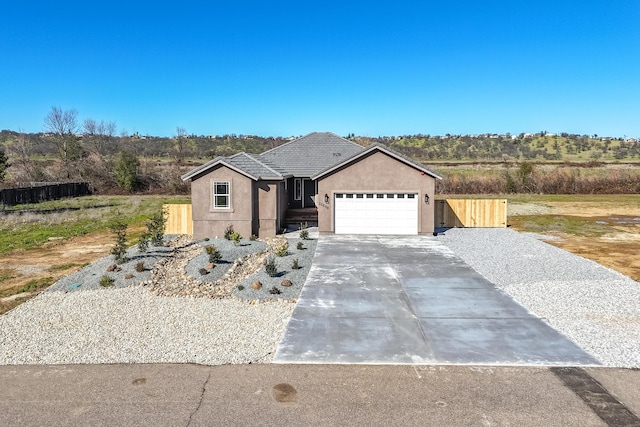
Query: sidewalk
(170, 395)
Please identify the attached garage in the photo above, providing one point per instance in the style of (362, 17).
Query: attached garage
(376, 191)
(376, 213)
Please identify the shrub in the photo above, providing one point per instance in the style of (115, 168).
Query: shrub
(140, 267)
(270, 266)
(294, 264)
(240, 288)
(125, 169)
(282, 250)
(214, 254)
(274, 291)
(155, 227)
(228, 232)
(235, 237)
(119, 250)
(304, 232)
(143, 242)
(300, 246)
(106, 281)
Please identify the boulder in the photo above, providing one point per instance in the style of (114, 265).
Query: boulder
(256, 285)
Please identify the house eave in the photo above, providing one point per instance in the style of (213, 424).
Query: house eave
(371, 149)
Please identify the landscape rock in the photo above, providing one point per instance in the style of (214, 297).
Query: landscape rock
(286, 283)
(256, 285)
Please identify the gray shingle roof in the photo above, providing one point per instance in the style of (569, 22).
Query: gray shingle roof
(383, 148)
(310, 154)
(254, 167)
(243, 163)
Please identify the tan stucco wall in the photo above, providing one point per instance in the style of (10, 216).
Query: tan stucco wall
(267, 192)
(210, 222)
(377, 173)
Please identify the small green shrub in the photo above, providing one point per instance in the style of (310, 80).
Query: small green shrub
(304, 232)
(214, 254)
(143, 242)
(294, 264)
(119, 250)
(275, 291)
(240, 288)
(228, 232)
(206, 239)
(270, 266)
(282, 250)
(140, 267)
(106, 281)
(236, 237)
(155, 227)
(300, 246)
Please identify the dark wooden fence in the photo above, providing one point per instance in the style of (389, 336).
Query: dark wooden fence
(41, 193)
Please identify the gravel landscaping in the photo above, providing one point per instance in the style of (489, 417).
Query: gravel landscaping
(148, 319)
(598, 308)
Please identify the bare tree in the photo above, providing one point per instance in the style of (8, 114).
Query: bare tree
(20, 151)
(99, 136)
(182, 146)
(63, 125)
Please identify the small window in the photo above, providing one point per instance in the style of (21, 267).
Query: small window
(411, 196)
(379, 196)
(221, 195)
(339, 196)
(297, 189)
(349, 196)
(359, 196)
(390, 196)
(369, 196)
(400, 196)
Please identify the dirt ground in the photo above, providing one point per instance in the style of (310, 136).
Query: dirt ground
(618, 249)
(45, 266)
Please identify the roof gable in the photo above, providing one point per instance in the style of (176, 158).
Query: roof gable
(242, 163)
(381, 148)
(310, 154)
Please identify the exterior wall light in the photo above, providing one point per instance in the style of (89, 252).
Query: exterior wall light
(426, 198)
(326, 198)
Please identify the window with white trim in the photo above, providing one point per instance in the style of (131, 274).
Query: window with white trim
(221, 195)
(297, 189)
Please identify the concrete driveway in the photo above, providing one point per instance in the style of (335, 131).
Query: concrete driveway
(410, 300)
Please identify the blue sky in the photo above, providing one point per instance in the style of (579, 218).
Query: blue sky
(292, 67)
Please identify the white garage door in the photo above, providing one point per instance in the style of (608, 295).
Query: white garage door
(376, 213)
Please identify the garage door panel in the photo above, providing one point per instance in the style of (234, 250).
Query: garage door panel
(376, 213)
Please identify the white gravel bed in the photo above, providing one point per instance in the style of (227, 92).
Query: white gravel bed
(131, 325)
(595, 306)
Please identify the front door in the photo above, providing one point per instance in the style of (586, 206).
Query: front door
(308, 200)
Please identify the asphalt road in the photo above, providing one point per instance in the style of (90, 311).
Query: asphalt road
(194, 395)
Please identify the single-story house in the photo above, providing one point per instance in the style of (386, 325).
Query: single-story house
(343, 187)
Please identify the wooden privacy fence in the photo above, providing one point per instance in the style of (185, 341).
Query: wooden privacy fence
(41, 193)
(476, 213)
(448, 213)
(178, 219)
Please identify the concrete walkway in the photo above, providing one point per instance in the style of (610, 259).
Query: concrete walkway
(410, 300)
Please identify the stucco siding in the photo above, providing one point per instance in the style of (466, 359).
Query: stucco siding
(377, 173)
(211, 222)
